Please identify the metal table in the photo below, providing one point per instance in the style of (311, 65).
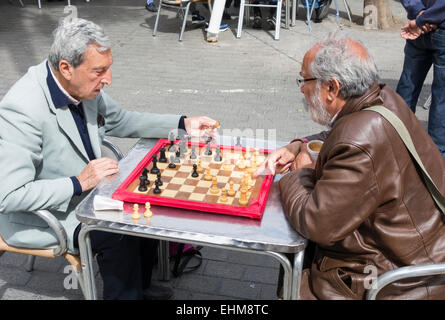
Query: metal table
(272, 235)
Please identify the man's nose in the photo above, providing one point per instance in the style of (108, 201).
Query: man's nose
(107, 79)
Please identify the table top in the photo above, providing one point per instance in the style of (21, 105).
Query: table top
(271, 233)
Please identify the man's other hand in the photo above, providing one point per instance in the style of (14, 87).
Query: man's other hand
(280, 160)
(95, 171)
(411, 31)
(303, 160)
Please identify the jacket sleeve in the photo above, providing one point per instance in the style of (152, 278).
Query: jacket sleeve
(434, 14)
(20, 162)
(327, 210)
(123, 123)
(413, 7)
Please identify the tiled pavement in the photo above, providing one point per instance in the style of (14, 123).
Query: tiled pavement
(246, 83)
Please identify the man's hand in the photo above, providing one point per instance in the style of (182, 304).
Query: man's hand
(95, 171)
(411, 31)
(202, 127)
(303, 160)
(280, 160)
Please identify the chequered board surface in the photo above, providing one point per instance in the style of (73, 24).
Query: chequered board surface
(179, 184)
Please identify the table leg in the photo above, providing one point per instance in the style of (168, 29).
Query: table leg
(287, 279)
(296, 275)
(215, 20)
(163, 261)
(86, 258)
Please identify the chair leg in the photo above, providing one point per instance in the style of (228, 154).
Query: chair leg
(163, 260)
(184, 21)
(287, 13)
(157, 19)
(39, 3)
(29, 265)
(294, 11)
(278, 21)
(348, 10)
(240, 19)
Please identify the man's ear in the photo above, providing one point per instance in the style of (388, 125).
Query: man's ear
(333, 87)
(66, 69)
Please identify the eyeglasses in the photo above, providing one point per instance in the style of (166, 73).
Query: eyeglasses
(301, 80)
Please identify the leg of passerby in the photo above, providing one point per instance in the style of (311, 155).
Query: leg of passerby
(436, 119)
(150, 6)
(257, 18)
(226, 14)
(417, 62)
(271, 19)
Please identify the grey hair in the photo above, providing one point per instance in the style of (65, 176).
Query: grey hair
(334, 59)
(72, 38)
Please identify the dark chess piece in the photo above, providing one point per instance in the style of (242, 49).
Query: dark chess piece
(172, 164)
(162, 157)
(208, 152)
(195, 172)
(177, 158)
(155, 168)
(142, 183)
(238, 142)
(158, 180)
(145, 172)
(218, 157)
(193, 153)
(156, 190)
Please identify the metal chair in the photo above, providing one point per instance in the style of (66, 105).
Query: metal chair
(404, 273)
(56, 226)
(278, 5)
(179, 4)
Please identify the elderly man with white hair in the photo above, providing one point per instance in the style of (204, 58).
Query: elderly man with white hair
(363, 203)
(52, 123)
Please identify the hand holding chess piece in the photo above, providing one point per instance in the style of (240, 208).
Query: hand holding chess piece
(202, 127)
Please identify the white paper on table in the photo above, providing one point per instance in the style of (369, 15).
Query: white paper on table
(104, 203)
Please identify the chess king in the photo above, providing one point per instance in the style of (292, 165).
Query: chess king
(52, 123)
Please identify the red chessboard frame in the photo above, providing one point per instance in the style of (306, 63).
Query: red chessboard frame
(254, 210)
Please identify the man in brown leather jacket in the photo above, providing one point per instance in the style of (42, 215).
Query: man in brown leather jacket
(363, 203)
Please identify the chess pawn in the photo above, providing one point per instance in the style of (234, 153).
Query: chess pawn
(241, 163)
(231, 191)
(226, 165)
(208, 176)
(223, 197)
(214, 189)
(135, 214)
(147, 213)
(199, 169)
(243, 197)
(247, 154)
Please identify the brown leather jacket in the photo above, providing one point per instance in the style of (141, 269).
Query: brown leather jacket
(366, 204)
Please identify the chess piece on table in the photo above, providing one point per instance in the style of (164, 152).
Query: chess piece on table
(214, 189)
(200, 169)
(177, 157)
(218, 157)
(172, 164)
(135, 214)
(243, 197)
(145, 173)
(147, 213)
(158, 180)
(157, 190)
(231, 191)
(241, 163)
(162, 157)
(154, 169)
(208, 176)
(142, 183)
(223, 197)
(193, 153)
(238, 142)
(195, 172)
(208, 152)
(227, 166)
(247, 154)
(172, 138)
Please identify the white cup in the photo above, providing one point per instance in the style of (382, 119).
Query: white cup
(314, 147)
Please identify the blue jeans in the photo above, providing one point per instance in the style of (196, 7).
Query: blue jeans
(420, 54)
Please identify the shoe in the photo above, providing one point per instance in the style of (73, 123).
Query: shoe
(271, 22)
(257, 22)
(155, 292)
(151, 7)
(222, 27)
(197, 18)
(170, 2)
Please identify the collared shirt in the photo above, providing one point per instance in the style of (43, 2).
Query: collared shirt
(60, 99)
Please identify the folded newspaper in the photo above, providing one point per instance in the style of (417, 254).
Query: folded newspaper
(104, 203)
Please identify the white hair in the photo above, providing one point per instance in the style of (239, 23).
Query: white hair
(334, 59)
(72, 38)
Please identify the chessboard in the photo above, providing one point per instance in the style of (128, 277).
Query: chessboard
(199, 176)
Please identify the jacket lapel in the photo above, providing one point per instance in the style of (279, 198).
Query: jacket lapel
(63, 114)
(90, 110)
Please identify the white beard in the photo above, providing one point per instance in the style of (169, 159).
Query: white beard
(317, 109)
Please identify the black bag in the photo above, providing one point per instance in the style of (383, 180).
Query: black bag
(182, 254)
